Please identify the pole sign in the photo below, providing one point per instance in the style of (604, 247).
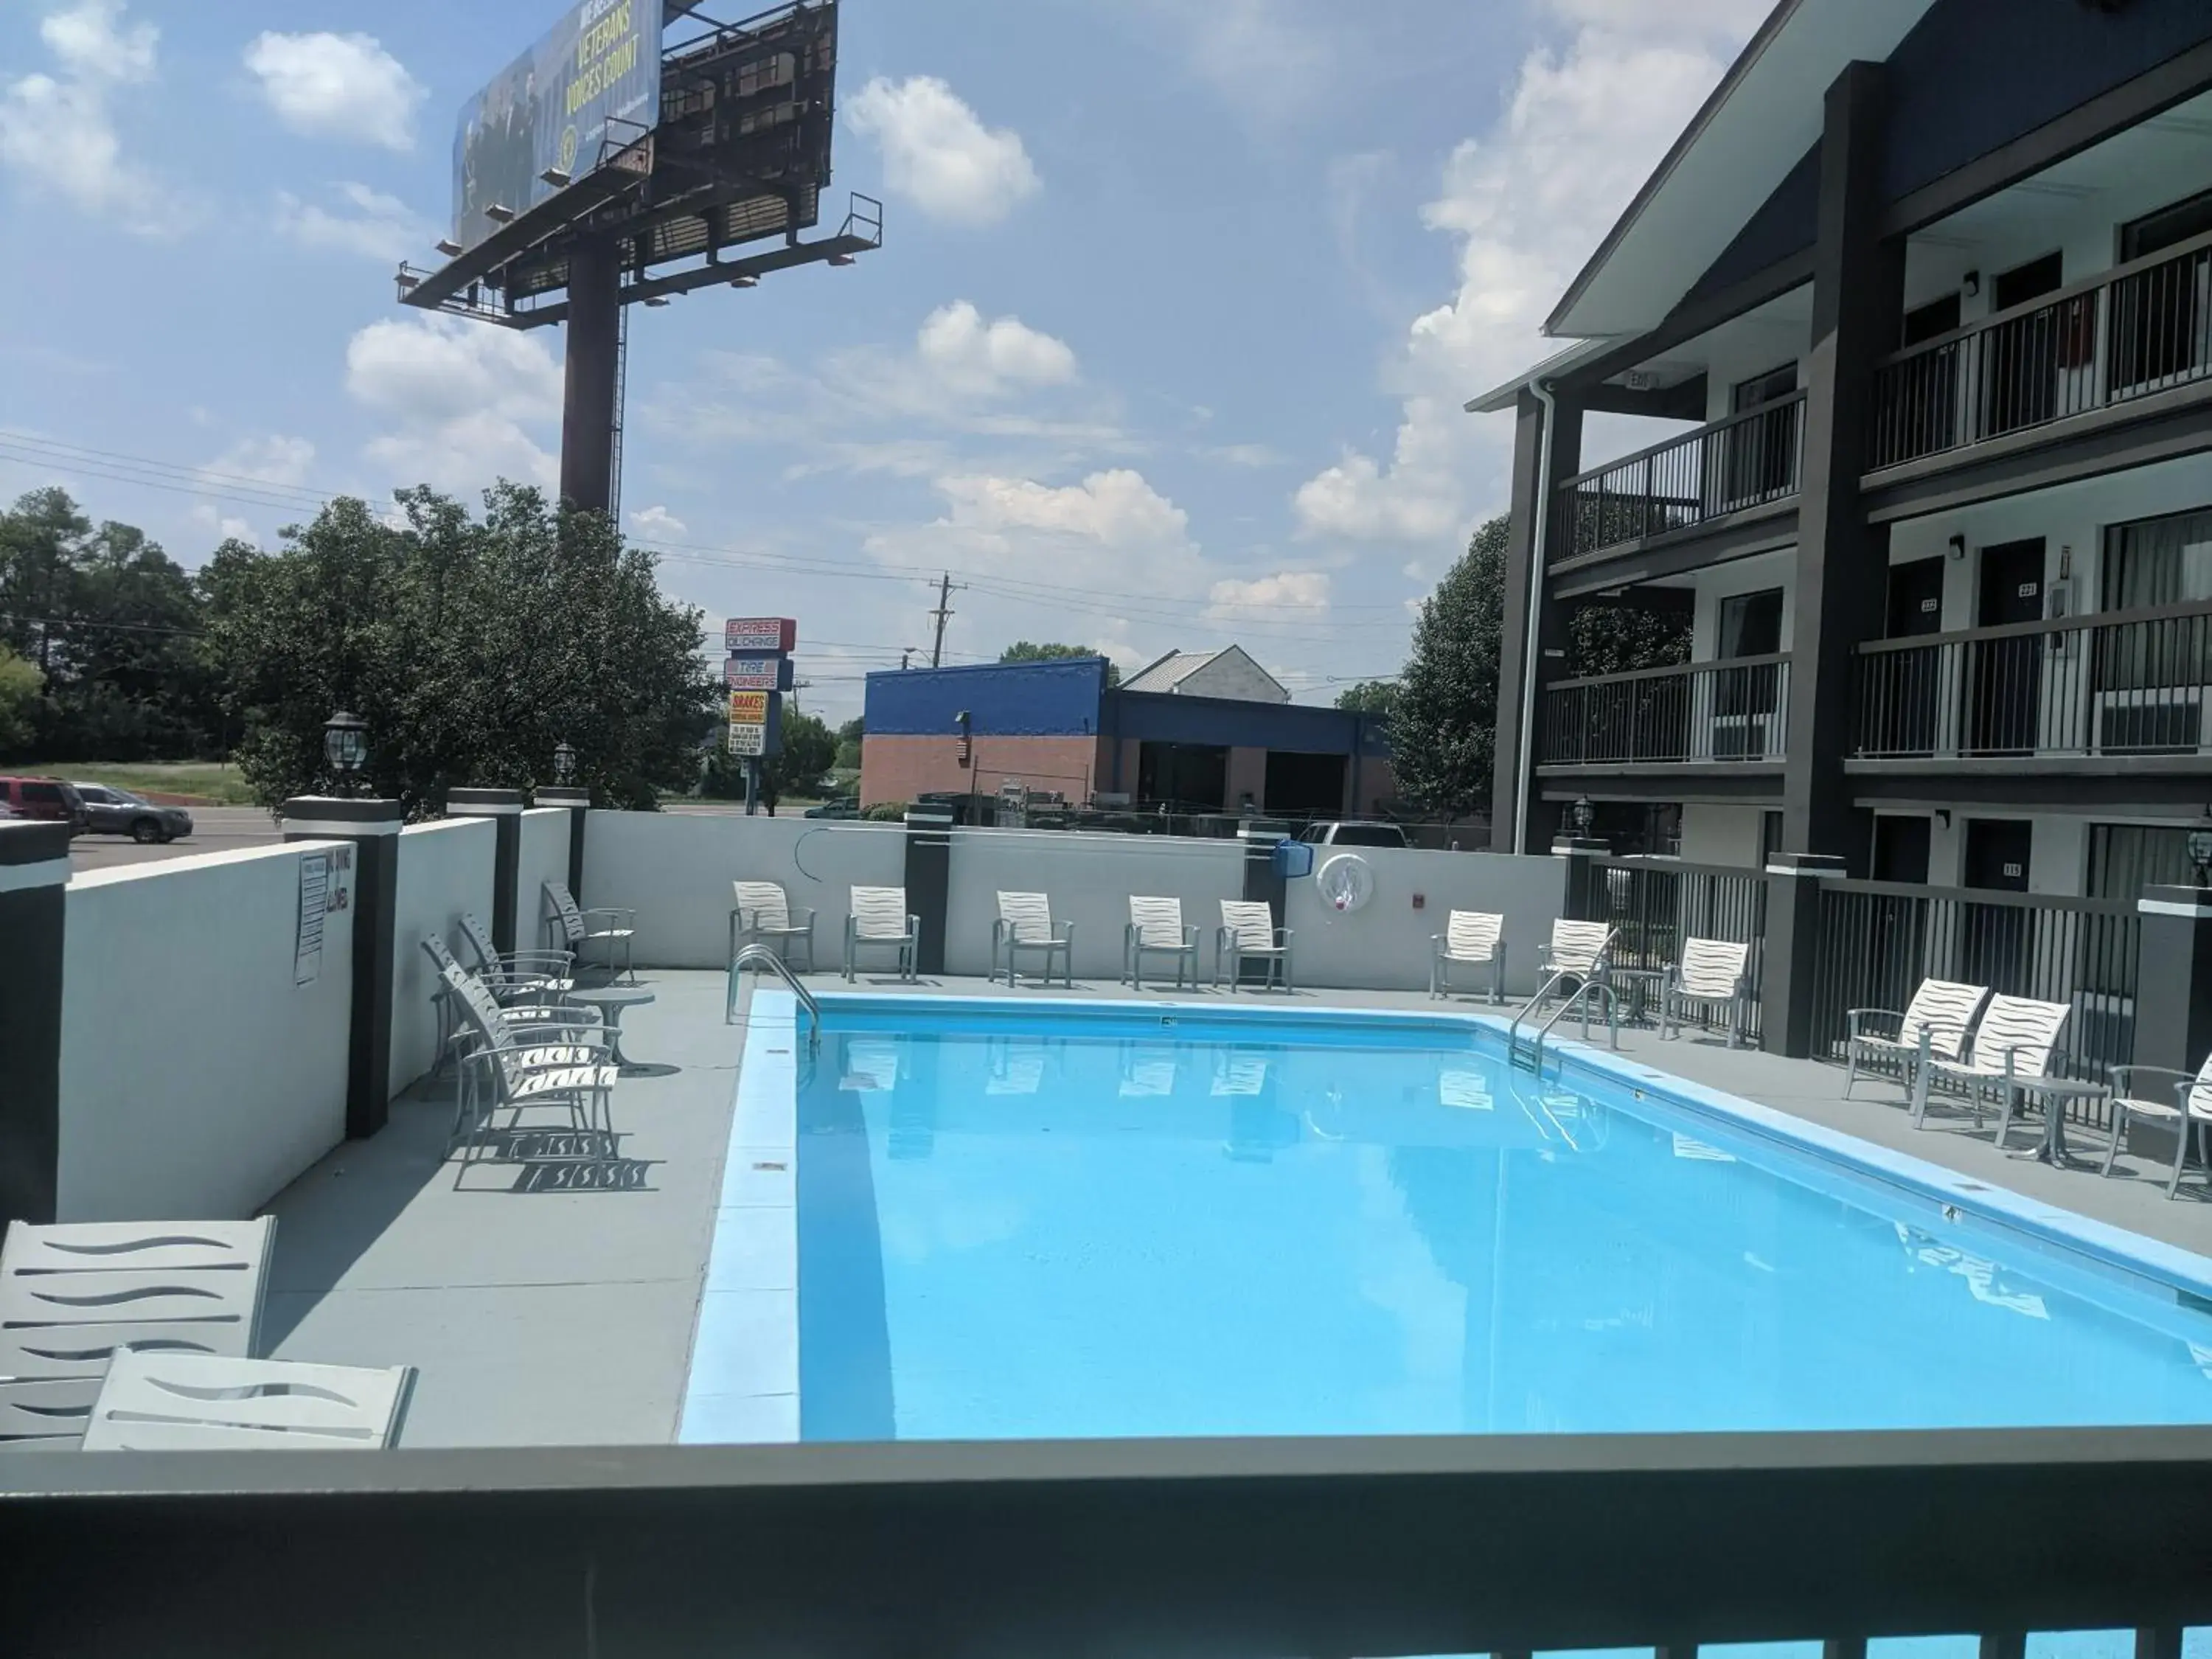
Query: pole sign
(755, 723)
(758, 675)
(751, 672)
(765, 635)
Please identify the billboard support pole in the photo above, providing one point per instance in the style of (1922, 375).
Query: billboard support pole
(752, 785)
(587, 408)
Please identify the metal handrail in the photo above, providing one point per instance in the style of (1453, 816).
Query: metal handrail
(759, 956)
(1710, 428)
(1591, 983)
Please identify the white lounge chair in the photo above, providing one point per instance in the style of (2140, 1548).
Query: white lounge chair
(2012, 1045)
(1471, 938)
(764, 916)
(2135, 1094)
(516, 976)
(1025, 923)
(1248, 930)
(518, 1066)
(1578, 949)
(550, 1003)
(879, 918)
(72, 1296)
(157, 1400)
(1712, 974)
(1936, 1025)
(1156, 928)
(612, 929)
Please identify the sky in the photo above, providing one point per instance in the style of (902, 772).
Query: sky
(1166, 347)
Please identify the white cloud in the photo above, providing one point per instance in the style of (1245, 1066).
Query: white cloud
(275, 460)
(939, 155)
(365, 222)
(1115, 509)
(337, 86)
(987, 358)
(1587, 118)
(658, 521)
(1254, 456)
(1301, 589)
(221, 526)
(466, 401)
(58, 133)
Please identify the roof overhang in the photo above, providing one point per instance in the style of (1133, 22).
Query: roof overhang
(1552, 368)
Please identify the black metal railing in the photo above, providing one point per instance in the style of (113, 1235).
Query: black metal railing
(2124, 682)
(1878, 940)
(1744, 461)
(2138, 329)
(1234, 1548)
(1653, 905)
(1735, 710)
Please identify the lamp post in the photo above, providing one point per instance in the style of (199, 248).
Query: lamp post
(1583, 816)
(564, 764)
(345, 746)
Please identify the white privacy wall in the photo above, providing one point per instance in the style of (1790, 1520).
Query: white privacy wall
(675, 869)
(444, 870)
(542, 857)
(1090, 880)
(1386, 946)
(196, 1080)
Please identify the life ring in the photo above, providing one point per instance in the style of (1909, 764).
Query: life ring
(1346, 883)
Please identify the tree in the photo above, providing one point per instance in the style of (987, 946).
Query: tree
(20, 683)
(849, 737)
(809, 749)
(1443, 722)
(471, 646)
(1028, 651)
(1369, 696)
(1620, 639)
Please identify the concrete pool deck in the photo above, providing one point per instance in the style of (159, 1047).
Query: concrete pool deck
(538, 1313)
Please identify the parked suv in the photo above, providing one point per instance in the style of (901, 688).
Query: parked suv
(48, 798)
(1355, 835)
(113, 811)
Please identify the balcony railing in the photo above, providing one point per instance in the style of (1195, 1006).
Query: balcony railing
(1737, 710)
(1744, 461)
(2118, 684)
(2138, 329)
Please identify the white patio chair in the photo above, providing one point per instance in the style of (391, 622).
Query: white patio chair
(516, 976)
(1024, 923)
(2134, 1096)
(1471, 938)
(549, 1003)
(1578, 949)
(1935, 1025)
(72, 1296)
(1248, 930)
(764, 916)
(612, 928)
(879, 918)
(1156, 928)
(518, 1066)
(1712, 974)
(154, 1400)
(2012, 1044)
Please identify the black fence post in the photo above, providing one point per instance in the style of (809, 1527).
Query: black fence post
(2173, 991)
(35, 873)
(1793, 947)
(504, 808)
(373, 828)
(929, 881)
(578, 805)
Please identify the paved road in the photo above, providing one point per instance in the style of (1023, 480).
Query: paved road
(214, 830)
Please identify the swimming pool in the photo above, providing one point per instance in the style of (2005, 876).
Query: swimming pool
(1042, 1219)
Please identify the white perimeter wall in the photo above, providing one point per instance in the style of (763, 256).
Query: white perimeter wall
(1385, 946)
(196, 1080)
(445, 869)
(542, 857)
(1089, 879)
(675, 869)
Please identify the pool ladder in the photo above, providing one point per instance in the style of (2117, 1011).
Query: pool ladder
(759, 956)
(1529, 1052)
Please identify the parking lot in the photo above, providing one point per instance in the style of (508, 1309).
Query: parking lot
(214, 830)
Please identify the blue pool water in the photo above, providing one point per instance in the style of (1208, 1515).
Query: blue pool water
(1078, 1223)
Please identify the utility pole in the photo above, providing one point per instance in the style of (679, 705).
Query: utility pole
(945, 590)
(905, 652)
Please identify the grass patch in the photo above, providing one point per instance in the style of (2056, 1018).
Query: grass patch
(206, 783)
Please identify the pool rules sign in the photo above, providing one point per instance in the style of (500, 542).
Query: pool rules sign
(757, 674)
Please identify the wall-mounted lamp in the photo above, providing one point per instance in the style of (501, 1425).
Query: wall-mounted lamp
(1958, 547)
(1583, 817)
(1972, 284)
(967, 738)
(1943, 819)
(2065, 564)
(2200, 849)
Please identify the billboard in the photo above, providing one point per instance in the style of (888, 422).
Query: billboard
(758, 672)
(761, 633)
(550, 108)
(755, 723)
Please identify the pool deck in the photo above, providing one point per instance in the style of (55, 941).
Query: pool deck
(538, 1313)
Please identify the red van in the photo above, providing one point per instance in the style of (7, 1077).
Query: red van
(48, 798)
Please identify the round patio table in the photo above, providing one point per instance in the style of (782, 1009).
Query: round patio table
(2055, 1093)
(611, 1000)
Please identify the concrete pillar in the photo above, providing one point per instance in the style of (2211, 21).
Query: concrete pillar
(929, 881)
(593, 375)
(2173, 989)
(578, 803)
(1585, 894)
(1842, 562)
(504, 808)
(1792, 950)
(370, 829)
(1525, 590)
(35, 873)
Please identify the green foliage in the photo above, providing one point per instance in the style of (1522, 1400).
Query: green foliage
(471, 648)
(1369, 697)
(1443, 722)
(20, 683)
(110, 621)
(1029, 651)
(886, 811)
(809, 750)
(1620, 639)
(849, 736)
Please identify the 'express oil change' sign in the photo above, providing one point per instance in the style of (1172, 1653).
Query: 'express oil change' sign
(766, 634)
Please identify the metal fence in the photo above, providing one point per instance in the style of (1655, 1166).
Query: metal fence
(1744, 461)
(1878, 940)
(1653, 905)
(1735, 710)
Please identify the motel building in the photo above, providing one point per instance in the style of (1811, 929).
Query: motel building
(1191, 732)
